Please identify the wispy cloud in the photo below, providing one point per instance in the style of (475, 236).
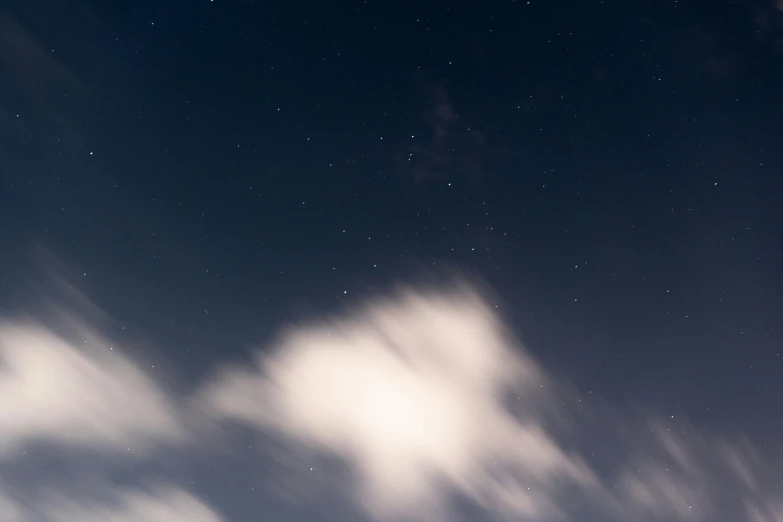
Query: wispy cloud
(167, 504)
(164, 503)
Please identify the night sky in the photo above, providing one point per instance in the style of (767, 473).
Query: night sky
(209, 208)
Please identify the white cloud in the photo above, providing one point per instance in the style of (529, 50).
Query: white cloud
(412, 393)
(55, 392)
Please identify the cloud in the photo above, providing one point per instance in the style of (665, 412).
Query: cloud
(55, 392)
(425, 399)
(661, 494)
(681, 473)
(167, 504)
(413, 394)
(163, 503)
(427, 396)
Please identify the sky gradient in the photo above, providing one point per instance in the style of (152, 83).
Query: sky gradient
(373, 261)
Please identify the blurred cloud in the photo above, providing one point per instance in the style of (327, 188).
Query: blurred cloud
(412, 393)
(680, 473)
(53, 391)
(88, 395)
(168, 504)
(423, 397)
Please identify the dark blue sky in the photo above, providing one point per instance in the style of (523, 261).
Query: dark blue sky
(211, 171)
